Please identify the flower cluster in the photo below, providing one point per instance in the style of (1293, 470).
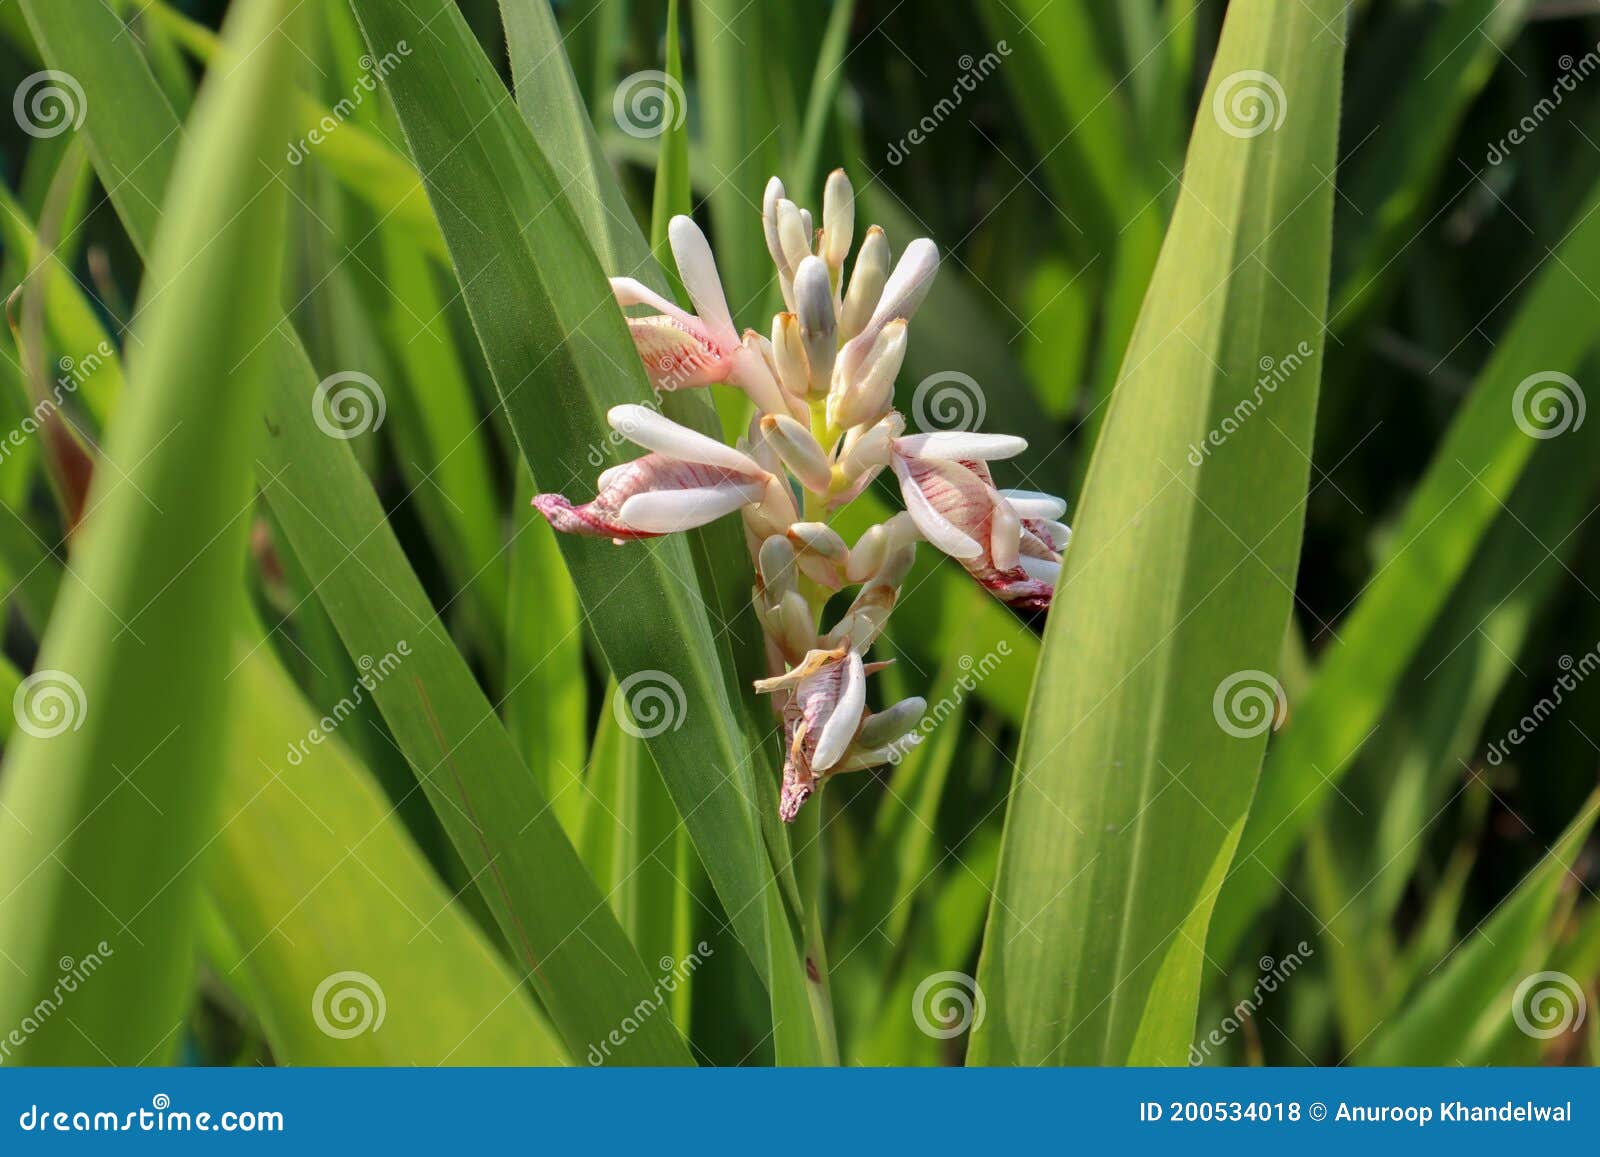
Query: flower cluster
(825, 426)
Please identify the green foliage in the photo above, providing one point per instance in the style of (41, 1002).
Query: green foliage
(1278, 297)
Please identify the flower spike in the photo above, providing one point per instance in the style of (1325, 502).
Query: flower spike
(826, 427)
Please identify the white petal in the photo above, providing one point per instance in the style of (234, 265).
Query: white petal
(1041, 569)
(935, 527)
(631, 292)
(841, 726)
(961, 445)
(1035, 504)
(697, 269)
(667, 511)
(645, 427)
(1005, 536)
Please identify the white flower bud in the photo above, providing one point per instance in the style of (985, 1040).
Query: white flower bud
(868, 554)
(888, 725)
(813, 298)
(838, 219)
(868, 394)
(867, 279)
(793, 234)
(769, 225)
(800, 452)
(797, 634)
(776, 563)
(821, 539)
(789, 355)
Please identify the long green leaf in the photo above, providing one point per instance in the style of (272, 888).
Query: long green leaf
(553, 917)
(1463, 1007)
(1131, 792)
(120, 767)
(560, 356)
(356, 952)
(1471, 477)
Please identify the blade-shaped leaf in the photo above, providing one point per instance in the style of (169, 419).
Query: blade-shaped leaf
(119, 767)
(1463, 1005)
(560, 356)
(355, 951)
(1471, 477)
(1131, 788)
(553, 917)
